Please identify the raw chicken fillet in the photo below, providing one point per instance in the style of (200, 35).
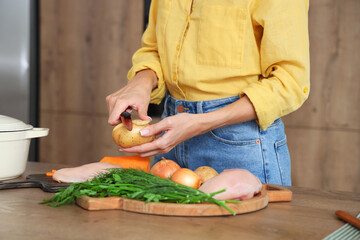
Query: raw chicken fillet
(82, 173)
(239, 184)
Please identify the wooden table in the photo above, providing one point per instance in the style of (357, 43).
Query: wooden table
(309, 216)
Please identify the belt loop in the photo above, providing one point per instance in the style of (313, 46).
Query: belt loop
(199, 106)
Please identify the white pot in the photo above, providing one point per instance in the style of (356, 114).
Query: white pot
(15, 138)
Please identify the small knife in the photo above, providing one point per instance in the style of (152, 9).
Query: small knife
(125, 118)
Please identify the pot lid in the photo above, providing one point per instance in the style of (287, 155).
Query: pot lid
(9, 124)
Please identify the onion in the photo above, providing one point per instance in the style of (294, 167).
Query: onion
(186, 177)
(164, 168)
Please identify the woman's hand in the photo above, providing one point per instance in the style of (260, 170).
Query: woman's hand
(177, 129)
(136, 94)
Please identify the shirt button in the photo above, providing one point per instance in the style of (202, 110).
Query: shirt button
(178, 47)
(175, 77)
(306, 89)
(188, 18)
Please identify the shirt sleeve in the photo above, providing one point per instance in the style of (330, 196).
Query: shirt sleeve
(147, 57)
(284, 52)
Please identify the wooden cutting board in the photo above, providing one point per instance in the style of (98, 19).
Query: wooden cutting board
(269, 193)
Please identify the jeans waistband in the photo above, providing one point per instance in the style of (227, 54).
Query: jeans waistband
(177, 105)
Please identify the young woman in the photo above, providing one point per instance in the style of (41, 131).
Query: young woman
(229, 71)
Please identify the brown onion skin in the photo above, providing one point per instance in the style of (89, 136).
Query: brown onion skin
(186, 177)
(164, 168)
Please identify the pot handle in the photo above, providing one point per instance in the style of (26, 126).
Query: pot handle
(37, 132)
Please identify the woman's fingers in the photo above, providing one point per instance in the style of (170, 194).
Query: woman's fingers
(143, 154)
(159, 145)
(153, 130)
(149, 154)
(136, 94)
(119, 102)
(114, 115)
(174, 134)
(109, 102)
(142, 112)
(113, 105)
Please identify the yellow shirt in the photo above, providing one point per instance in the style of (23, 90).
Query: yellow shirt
(210, 49)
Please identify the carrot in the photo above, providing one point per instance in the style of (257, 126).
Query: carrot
(50, 174)
(133, 161)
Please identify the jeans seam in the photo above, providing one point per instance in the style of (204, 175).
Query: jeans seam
(262, 153)
(185, 152)
(276, 145)
(178, 155)
(280, 170)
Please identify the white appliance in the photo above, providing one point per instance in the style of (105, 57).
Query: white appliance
(18, 70)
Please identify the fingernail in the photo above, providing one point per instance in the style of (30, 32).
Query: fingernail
(120, 150)
(144, 132)
(150, 118)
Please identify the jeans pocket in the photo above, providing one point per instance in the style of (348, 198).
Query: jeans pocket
(221, 36)
(245, 133)
(283, 160)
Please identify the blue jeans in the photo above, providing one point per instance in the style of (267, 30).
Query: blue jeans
(244, 145)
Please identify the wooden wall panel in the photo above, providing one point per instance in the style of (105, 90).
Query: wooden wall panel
(325, 159)
(77, 139)
(335, 55)
(86, 49)
(324, 134)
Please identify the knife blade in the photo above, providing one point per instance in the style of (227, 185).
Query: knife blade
(125, 118)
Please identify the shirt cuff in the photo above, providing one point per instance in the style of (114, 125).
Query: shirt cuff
(266, 105)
